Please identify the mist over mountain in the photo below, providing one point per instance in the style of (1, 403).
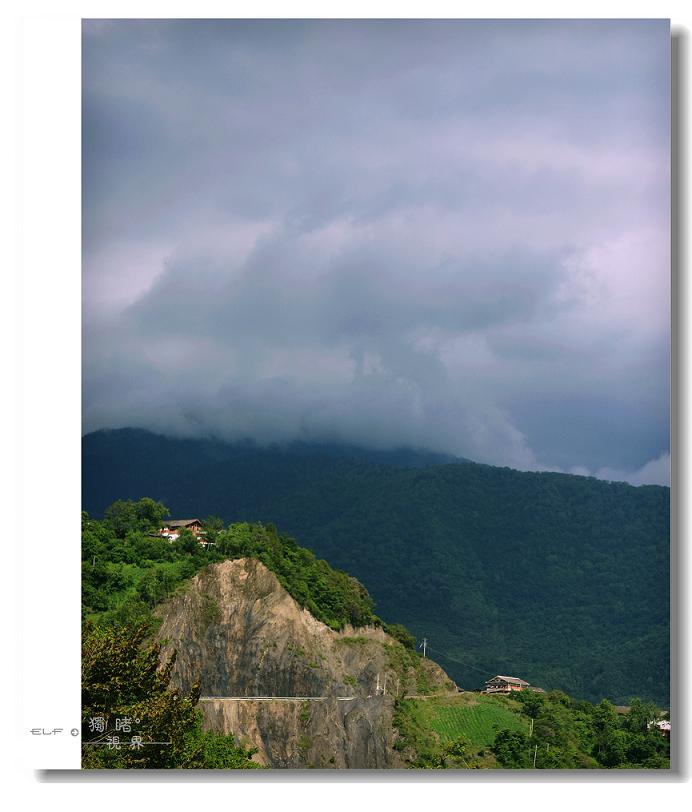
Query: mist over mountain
(385, 233)
(562, 580)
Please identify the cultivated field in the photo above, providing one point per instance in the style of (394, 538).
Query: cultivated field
(474, 716)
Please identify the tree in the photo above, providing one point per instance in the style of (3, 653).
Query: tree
(150, 513)
(640, 716)
(646, 746)
(154, 586)
(532, 702)
(454, 753)
(402, 634)
(126, 516)
(99, 581)
(511, 748)
(121, 516)
(126, 694)
(610, 744)
(188, 543)
(213, 526)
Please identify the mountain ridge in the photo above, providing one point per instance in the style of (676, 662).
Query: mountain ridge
(532, 572)
(249, 652)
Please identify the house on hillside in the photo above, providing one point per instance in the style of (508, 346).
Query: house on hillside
(663, 725)
(171, 530)
(504, 685)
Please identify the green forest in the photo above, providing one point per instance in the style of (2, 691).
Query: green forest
(563, 580)
(128, 571)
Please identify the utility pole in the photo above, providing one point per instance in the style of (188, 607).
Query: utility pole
(535, 753)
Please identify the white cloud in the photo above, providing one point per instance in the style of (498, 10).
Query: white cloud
(654, 472)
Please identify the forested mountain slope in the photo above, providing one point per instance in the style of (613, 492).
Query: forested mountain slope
(559, 579)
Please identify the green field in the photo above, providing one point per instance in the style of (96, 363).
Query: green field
(478, 722)
(476, 717)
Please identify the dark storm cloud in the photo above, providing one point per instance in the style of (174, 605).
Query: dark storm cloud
(447, 234)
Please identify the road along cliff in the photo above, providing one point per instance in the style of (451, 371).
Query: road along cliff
(279, 680)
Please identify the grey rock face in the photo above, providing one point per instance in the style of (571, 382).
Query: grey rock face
(238, 633)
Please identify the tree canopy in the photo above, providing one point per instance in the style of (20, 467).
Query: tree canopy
(132, 718)
(561, 579)
(124, 576)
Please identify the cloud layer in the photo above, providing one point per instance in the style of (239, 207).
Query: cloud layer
(442, 234)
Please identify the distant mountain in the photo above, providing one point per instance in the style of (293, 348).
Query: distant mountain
(561, 580)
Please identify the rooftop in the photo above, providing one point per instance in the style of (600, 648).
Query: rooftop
(180, 522)
(510, 679)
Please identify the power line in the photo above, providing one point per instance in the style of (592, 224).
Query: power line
(461, 662)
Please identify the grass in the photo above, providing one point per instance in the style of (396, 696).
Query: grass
(415, 672)
(354, 642)
(209, 612)
(479, 720)
(427, 725)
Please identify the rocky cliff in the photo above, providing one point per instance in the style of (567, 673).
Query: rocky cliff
(282, 681)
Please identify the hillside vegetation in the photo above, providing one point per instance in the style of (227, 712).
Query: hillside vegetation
(127, 571)
(124, 681)
(562, 580)
(527, 731)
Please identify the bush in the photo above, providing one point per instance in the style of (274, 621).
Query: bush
(511, 748)
(402, 634)
(123, 681)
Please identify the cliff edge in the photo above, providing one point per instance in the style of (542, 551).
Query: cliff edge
(279, 680)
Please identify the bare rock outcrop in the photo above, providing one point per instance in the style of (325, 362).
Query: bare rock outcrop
(282, 681)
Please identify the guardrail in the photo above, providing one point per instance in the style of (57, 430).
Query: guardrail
(274, 698)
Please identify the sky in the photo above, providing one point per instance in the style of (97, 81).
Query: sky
(452, 235)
